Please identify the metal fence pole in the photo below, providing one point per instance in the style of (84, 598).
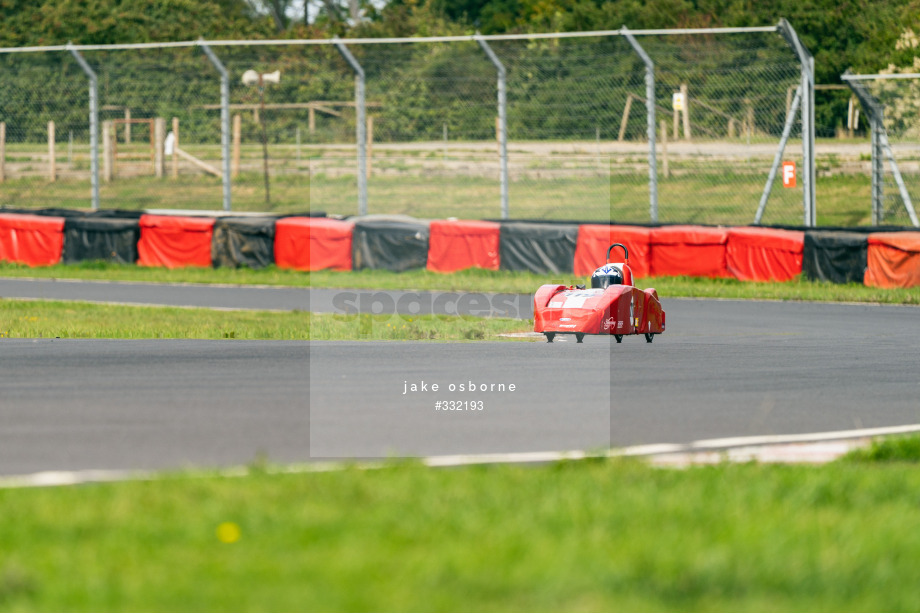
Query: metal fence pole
(502, 121)
(93, 124)
(880, 148)
(361, 128)
(650, 107)
(808, 120)
(787, 129)
(224, 121)
(878, 179)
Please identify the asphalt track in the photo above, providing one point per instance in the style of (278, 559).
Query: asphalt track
(723, 368)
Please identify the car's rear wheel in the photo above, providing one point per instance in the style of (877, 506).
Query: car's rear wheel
(579, 337)
(549, 337)
(619, 338)
(649, 337)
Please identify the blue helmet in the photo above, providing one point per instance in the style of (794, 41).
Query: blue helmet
(607, 275)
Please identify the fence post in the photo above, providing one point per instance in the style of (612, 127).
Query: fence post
(107, 153)
(361, 123)
(502, 121)
(686, 112)
(93, 124)
(787, 130)
(159, 137)
(52, 170)
(808, 119)
(664, 150)
(224, 121)
(175, 149)
(2, 151)
(880, 147)
(237, 138)
(650, 107)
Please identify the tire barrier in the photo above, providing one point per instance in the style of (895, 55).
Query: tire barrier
(243, 241)
(694, 251)
(35, 240)
(594, 239)
(454, 245)
(175, 241)
(110, 239)
(538, 248)
(394, 243)
(893, 260)
(313, 244)
(835, 256)
(886, 259)
(764, 254)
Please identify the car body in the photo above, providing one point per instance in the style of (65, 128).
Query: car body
(612, 307)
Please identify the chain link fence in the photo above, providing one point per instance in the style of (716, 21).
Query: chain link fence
(574, 133)
(891, 104)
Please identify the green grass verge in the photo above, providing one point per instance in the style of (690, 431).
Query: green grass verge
(76, 320)
(474, 280)
(586, 536)
(904, 449)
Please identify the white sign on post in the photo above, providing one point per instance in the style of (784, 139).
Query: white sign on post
(678, 101)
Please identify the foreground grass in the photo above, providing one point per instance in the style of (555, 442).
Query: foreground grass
(474, 280)
(75, 320)
(587, 536)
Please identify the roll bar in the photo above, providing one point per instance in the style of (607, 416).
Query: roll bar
(625, 253)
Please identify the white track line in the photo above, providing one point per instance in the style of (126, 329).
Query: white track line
(801, 448)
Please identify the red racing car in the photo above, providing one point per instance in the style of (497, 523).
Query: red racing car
(612, 306)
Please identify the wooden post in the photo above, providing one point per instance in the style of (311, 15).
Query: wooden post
(2, 152)
(127, 126)
(159, 155)
(731, 127)
(664, 150)
(175, 155)
(107, 154)
(851, 125)
(625, 120)
(686, 111)
(52, 171)
(750, 118)
(237, 135)
(312, 119)
(370, 144)
(676, 124)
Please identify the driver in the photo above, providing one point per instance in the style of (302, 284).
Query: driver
(607, 275)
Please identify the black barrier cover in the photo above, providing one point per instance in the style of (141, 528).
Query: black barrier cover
(243, 241)
(539, 248)
(838, 257)
(100, 238)
(76, 213)
(392, 244)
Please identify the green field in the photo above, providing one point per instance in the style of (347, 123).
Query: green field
(547, 181)
(580, 536)
(473, 280)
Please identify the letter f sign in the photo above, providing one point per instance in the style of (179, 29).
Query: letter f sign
(788, 174)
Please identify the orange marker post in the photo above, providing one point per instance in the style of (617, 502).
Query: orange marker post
(788, 174)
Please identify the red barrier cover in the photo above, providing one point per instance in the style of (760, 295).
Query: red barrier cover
(595, 239)
(893, 260)
(463, 244)
(36, 240)
(174, 241)
(696, 251)
(313, 244)
(764, 254)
